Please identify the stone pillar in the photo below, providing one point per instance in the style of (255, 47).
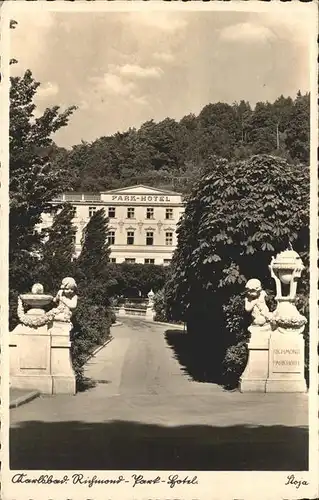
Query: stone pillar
(286, 363)
(286, 344)
(40, 358)
(30, 358)
(63, 378)
(121, 311)
(150, 313)
(40, 344)
(255, 376)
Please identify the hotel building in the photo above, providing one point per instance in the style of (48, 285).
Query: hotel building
(142, 221)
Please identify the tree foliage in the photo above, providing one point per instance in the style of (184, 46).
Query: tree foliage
(160, 307)
(37, 175)
(58, 249)
(92, 318)
(167, 154)
(235, 220)
(94, 256)
(33, 181)
(140, 278)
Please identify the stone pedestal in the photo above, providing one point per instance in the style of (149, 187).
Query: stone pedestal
(30, 358)
(255, 375)
(63, 378)
(40, 358)
(286, 363)
(121, 311)
(150, 313)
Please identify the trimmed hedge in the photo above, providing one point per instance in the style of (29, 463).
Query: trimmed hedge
(91, 328)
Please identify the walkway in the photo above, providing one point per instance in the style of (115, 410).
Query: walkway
(146, 413)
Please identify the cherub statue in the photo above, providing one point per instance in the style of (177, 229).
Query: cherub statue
(66, 299)
(255, 302)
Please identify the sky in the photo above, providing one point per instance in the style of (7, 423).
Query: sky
(124, 68)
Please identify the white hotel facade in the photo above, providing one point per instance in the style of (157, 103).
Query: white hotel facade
(142, 221)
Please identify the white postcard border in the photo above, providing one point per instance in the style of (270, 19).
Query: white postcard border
(219, 485)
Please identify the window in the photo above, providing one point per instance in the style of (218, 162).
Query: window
(169, 238)
(111, 237)
(92, 211)
(169, 213)
(113, 260)
(74, 211)
(149, 261)
(167, 262)
(130, 238)
(130, 261)
(150, 213)
(111, 212)
(149, 238)
(130, 213)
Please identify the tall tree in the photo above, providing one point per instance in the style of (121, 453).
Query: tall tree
(282, 108)
(93, 262)
(298, 129)
(32, 182)
(235, 220)
(59, 248)
(243, 113)
(92, 317)
(263, 129)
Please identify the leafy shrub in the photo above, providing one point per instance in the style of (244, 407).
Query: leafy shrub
(236, 338)
(160, 306)
(112, 316)
(93, 316)
(134, 305)
(237, 321)
(91, 328)
(235, 362)
(132, 279)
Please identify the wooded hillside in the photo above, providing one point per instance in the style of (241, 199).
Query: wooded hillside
(169, 154)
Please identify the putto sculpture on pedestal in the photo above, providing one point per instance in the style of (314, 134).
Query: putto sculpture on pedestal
(40, 344)
(255, 303)
(66, 299)
(276, 346)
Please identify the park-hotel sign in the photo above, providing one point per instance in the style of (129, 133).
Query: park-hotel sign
(151, 198)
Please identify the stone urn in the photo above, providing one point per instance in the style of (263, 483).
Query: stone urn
(286, 269)
(37, 300)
